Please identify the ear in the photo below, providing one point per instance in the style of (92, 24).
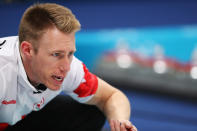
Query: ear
(26, 49)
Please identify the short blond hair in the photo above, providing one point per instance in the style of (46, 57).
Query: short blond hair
(39, 17)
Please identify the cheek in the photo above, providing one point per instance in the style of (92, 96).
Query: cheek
(46, 66)
(49, 69)
(45, 63)
(40, 67)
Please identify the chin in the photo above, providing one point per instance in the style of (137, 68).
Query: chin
(54, 88)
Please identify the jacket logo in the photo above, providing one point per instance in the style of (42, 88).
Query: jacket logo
(38, 106)
(8, 102)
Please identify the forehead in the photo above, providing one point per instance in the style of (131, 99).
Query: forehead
(54, 39)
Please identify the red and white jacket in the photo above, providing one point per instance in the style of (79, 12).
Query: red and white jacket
(16, 93)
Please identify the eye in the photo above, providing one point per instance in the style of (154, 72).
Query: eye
(56, 54)
(71, 54)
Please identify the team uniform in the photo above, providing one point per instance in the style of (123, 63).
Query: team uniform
(18, 97)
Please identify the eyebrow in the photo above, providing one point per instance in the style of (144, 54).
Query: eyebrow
(62, 51)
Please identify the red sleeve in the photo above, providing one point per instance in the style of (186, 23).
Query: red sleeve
(3, 126)
(88, 87)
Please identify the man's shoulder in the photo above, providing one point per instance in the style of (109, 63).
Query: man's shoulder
(76, 67)
(8, 56)
(8, 46)
(9, 39)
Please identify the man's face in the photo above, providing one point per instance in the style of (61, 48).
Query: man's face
(51, 63)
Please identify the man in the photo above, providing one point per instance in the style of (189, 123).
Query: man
(39, 64)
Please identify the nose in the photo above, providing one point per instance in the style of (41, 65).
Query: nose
(65, 65)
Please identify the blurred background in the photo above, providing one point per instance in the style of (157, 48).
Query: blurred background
(146, 48)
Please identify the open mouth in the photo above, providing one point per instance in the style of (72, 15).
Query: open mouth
(58, 78)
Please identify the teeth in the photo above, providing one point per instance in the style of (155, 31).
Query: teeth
(58, 78)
